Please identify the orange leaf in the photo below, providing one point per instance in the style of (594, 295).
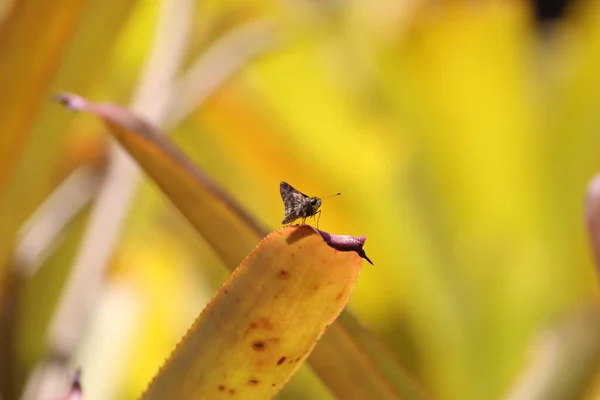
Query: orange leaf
(33, 37)
(264, 321)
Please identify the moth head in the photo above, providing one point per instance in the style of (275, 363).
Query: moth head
(315, 203)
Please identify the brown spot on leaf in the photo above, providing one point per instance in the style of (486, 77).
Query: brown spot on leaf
(284, 274)
(221, 388)
(232, 391)
(340, 295)
(253, 382)
(316, 287)
(259, 345)
(265, 344)
(297, 359)
(265, 323)
(281, 361)
(262, 323)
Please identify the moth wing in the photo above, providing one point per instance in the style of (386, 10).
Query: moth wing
(292, 213)
(293, 201)
(286, 189)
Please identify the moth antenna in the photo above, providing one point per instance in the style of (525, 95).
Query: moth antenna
(332, 195)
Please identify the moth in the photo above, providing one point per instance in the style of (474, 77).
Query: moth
(298, 205)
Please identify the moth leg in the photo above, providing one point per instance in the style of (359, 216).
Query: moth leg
(303, 220)
(319, 214)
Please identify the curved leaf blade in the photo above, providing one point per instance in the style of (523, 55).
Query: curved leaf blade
(208, 208)
(192, 193)
(264, 321)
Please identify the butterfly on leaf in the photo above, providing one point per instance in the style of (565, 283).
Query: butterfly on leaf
(298, 205)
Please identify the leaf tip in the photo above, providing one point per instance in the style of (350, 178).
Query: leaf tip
(75, 391)
(345, 243)
(70, 101)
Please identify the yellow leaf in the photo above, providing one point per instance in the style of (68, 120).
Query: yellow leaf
(263, 322)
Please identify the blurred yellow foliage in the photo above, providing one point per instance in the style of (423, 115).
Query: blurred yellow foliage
(461, 135)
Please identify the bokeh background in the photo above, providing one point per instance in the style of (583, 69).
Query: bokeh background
(462, 135)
